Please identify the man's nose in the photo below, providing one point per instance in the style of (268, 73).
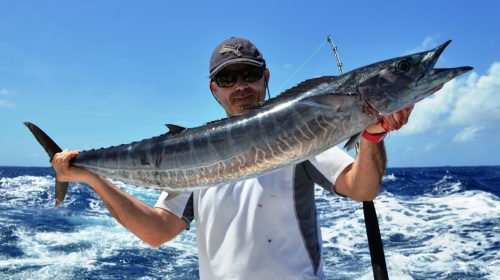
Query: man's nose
(240, 82)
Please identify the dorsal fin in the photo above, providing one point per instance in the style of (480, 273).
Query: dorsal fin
(174, 129)
(300, 88)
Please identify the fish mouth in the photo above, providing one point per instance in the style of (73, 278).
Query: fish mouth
(440, 73)
(457, 71)
(432, 57)
(439, 76)
(436, 79)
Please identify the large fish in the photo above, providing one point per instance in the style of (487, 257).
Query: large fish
(301, 122)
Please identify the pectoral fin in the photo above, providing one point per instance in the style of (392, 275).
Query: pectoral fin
(351, 143)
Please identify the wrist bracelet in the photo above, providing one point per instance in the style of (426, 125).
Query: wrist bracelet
(374, 138)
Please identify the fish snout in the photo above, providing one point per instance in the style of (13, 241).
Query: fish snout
(431, 58)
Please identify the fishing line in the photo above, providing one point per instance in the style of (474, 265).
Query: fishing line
(302, 66)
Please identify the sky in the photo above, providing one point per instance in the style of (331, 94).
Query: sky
(101, 73)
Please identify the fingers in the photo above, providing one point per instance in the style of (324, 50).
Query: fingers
(389, 122)
(61, 164)
(405, 115)
(397, 120)
(376, 128)
(63, 158)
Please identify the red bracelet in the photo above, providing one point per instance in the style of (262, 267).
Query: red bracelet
(374, 138)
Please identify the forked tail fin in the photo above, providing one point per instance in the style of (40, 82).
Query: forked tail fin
(51, 148)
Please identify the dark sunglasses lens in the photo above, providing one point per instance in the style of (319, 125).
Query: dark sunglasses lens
(228, 78)
(253, 74)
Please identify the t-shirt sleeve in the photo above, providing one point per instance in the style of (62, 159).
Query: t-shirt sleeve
(331, 163)
(181, 206)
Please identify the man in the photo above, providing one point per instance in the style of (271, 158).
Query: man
(260, 228)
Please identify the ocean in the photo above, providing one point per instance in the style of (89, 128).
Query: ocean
(436, 223)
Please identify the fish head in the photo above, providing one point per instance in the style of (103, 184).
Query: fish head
(397, 83)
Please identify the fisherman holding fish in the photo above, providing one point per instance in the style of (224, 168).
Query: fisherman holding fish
(258, 228)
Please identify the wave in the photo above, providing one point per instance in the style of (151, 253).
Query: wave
(435, 224)
(452, 236)
(389, 178)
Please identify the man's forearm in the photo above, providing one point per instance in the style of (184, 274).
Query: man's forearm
(136, 216)
(367, 171)
(373, 157)
(112, 196)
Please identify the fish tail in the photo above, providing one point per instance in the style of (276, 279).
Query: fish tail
(61, 188)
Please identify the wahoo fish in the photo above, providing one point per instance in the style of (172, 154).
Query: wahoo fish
(303, 121)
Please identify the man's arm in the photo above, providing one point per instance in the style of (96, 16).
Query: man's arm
(361, 180)
(153, 225)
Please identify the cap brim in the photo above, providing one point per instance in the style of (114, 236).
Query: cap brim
(242, 60)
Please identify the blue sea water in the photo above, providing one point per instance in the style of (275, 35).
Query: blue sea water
(436, 223)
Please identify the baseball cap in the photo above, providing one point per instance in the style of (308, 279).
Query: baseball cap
(235, 50)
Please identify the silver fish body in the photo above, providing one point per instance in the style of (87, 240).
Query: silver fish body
(303, 121)
(235, 148)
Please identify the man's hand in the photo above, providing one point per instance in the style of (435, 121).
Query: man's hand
(391, 122)
(65, 172)
(361, 180)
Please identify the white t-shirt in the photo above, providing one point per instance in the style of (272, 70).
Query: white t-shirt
(264, 227)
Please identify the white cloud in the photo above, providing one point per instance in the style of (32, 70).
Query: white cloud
(479, 100)
(429, 113)
(4, 92)
(461, 102)
(468, 134)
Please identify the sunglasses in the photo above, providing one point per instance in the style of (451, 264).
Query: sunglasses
(229, 78)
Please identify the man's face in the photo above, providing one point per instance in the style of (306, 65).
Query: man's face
(237, 99)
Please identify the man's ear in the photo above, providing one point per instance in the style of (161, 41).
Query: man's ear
(211, 84)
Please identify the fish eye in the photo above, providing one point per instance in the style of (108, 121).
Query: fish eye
(404, 65)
